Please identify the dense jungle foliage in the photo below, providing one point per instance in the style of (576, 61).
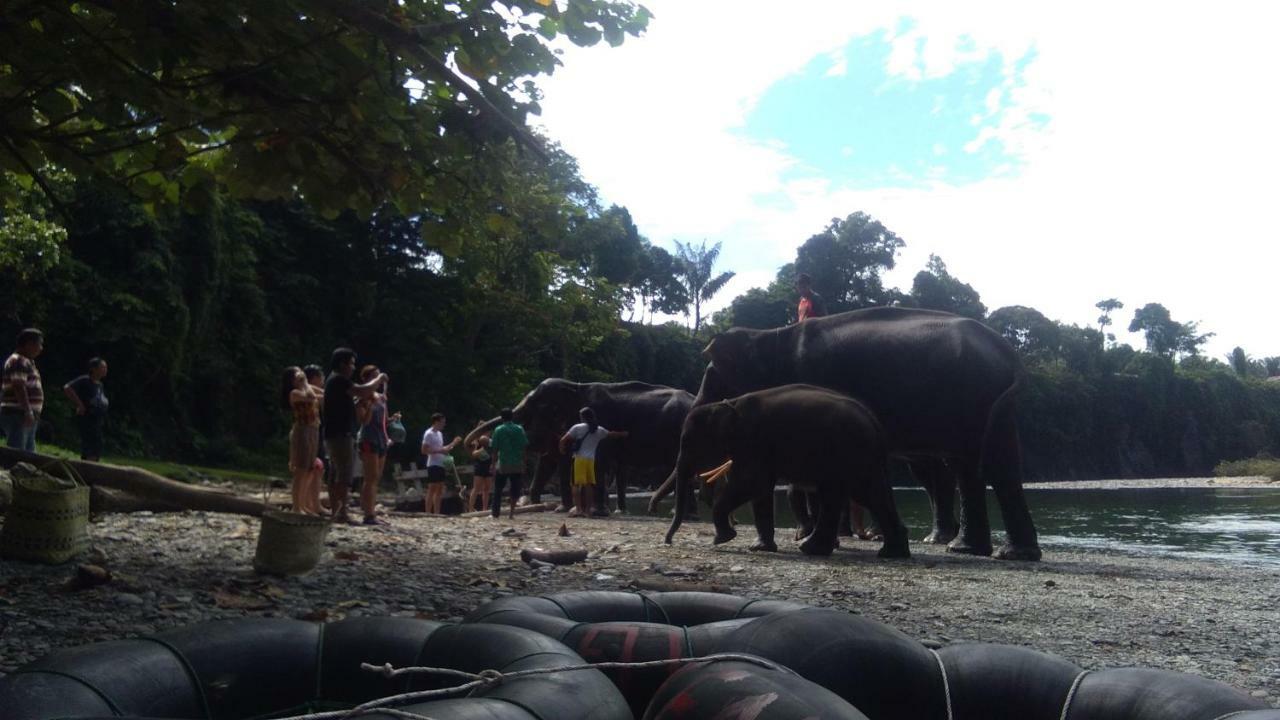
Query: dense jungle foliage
(205, 195)
(198, 313)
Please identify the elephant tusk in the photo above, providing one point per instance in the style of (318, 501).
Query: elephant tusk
(712, 476)
(717, 469)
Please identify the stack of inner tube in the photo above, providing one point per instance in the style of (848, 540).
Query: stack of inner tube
(785, 661)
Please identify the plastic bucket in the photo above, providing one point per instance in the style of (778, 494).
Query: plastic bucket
(289, 543)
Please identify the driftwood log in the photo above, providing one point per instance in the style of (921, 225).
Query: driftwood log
(555, 557)
(146, 487)
(520, 510)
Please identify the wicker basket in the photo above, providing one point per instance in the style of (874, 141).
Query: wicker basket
(289, 543)
(49, 518)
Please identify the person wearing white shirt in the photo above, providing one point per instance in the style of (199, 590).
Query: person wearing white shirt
(434, 448)
(586, 437)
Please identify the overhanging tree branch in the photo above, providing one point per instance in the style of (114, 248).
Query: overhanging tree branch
(409, 41)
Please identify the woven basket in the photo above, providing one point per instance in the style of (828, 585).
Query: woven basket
(48, 520)
(289, 543)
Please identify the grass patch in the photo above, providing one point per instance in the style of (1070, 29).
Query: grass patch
(1262, 465)
(181, 472)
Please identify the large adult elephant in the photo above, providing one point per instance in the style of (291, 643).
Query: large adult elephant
(942, 385)
(651, 414)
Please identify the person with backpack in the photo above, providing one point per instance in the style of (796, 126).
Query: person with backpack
(583, 439)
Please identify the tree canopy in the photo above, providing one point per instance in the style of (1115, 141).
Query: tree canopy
(1164, 335)
(345, 105)
(846, 261)
(935, 289)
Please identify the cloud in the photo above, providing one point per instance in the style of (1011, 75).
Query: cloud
(1145, 134)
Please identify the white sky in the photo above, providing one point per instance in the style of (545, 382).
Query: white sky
(1153, 180)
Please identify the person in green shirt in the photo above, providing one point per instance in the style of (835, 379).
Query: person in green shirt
(509, 442)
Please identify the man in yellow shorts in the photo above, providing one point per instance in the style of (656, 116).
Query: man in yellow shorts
(585, 437)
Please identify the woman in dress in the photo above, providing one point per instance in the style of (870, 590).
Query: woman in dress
(303, 403)
(371, 413)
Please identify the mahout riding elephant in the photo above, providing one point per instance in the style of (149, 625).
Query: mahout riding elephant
(651, 414)
(942, 385)
(823, 442)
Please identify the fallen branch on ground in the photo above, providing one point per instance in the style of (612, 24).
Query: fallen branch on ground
(555, 557)
(520, 510)
(143, 484)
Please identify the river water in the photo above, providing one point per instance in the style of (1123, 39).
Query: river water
(1237, 525)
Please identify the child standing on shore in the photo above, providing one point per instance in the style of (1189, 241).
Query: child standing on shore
(482, 481)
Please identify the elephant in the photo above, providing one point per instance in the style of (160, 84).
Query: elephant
(651, 414)
(822, 441)
(942, 385)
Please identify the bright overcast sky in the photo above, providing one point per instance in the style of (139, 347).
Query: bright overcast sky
(1053, 154)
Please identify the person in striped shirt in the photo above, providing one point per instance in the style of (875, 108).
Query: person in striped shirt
(22, 398)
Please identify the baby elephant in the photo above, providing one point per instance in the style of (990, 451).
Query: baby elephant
(821, 441)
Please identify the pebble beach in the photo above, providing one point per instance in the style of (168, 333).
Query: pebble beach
(1096, 609)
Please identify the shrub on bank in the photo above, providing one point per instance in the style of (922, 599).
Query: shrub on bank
(1261, 465)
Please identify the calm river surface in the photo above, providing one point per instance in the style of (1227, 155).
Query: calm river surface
(1238, 525)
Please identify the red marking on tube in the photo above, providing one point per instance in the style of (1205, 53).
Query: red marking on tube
(682, 704)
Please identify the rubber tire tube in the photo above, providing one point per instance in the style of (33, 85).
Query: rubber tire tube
(1005, 682)
(874, 667)
(131, 677)
(734, 688)
(1147, 694)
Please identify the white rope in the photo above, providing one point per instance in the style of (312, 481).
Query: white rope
(1232, 714)
(1071, 694)
(946, 684)
(488, 678)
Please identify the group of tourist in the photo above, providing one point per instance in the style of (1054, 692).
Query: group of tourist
(345, 415)
(22, 398)
(331, 419)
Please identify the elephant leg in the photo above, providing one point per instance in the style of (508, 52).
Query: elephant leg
(823, 540)
(544, 468)
(799, 502)
(844, 528)
(975, 528)
(623, 476)
(564, 466)
(737, 489)
(939, 481)
(1002, 467)
(877, 496)
(762, 511)
(600, 498)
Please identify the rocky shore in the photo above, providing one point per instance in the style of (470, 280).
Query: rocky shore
(169, 570)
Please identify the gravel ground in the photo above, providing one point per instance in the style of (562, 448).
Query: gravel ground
(1097, 610)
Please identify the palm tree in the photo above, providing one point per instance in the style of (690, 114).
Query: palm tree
(695, 265)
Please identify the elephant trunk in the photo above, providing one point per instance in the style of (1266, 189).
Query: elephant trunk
(682, 476)
(663, 490)
(483, 428)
